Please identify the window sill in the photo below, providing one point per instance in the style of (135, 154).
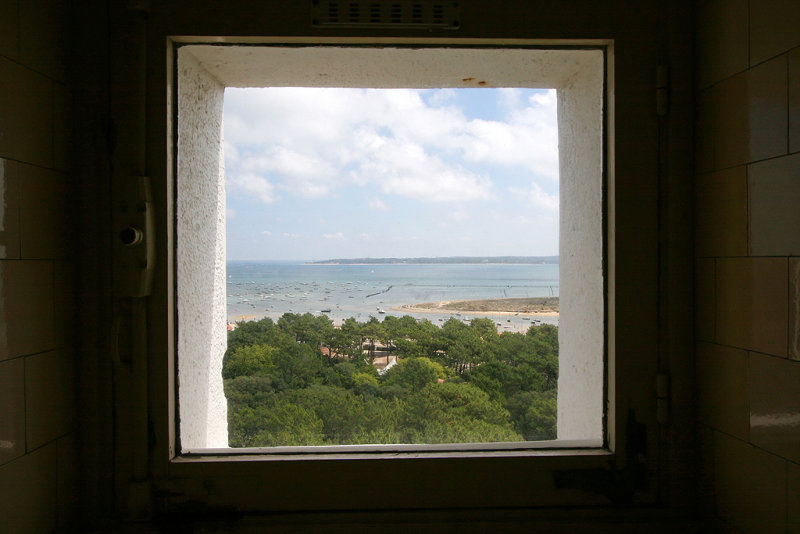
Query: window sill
(557, 448)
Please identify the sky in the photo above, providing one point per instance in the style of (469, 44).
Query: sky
(321, 173)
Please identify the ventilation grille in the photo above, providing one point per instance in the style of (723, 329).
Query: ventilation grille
(397, 14)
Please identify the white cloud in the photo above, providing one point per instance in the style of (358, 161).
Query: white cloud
(442, 97)
(408, 170)
(444, 186)
(510, 98)
(541, 199)
(266, 232)
(230, 213)
(314, 142)
(537, 197)
(254, 185)
(377, 204)
(290, 236)
(337, 235)
(528, 138)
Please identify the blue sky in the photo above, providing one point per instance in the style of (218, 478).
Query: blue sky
(319, 173)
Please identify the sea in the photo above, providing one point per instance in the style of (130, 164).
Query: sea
(258, 289)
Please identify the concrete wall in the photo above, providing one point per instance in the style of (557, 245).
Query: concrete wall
(202, 294)
(38, 424)
(581, 249)
(747, 272)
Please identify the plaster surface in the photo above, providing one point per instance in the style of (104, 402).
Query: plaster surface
(387, 67)
(582, 303)
(200, 262)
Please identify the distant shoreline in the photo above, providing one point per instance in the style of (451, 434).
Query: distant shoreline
(536, 306)
(450, 260)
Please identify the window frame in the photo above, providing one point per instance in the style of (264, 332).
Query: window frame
(238, 475)
(577, 74)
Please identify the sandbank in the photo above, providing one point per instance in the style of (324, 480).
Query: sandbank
(531, 307)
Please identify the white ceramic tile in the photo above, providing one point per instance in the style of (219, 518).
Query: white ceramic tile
(752, 303)
(722, 39)
(28, 493)
(794, 100)
(774, 396)
(26, 317)
(773, 28)
(12, 409)
(750, 486)
(26, 115)
(749, 115)
(721, 379)
(721, 213)
(9, 28)
(45, 229)
(730, 125)
(9, 210)
(43, 45)
(774, 191)
(767, 109)
(50, 391)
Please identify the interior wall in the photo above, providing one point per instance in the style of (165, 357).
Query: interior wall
(38, 304)
(747, 270)
(38, 423)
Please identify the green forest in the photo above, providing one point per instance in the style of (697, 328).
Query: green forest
(302, 381)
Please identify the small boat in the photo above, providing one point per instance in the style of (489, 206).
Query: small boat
(380, 310)
(327, 310)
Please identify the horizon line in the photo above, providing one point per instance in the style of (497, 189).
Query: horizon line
(401, 258)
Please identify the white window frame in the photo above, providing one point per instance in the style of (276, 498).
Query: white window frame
(203, 73)
(531, 475)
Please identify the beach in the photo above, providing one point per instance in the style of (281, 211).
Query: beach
(531, 307)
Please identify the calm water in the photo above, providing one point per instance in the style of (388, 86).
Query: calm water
(270, 289)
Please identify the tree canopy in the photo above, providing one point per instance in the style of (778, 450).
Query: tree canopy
(302, 381)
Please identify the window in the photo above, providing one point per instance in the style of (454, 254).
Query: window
(203, 73)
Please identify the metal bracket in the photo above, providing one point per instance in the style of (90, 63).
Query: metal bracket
(134, 243)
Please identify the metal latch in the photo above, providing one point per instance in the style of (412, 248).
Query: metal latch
(134, 243)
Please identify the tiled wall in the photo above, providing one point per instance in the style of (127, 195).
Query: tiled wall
(38, 449)
(747, 269)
